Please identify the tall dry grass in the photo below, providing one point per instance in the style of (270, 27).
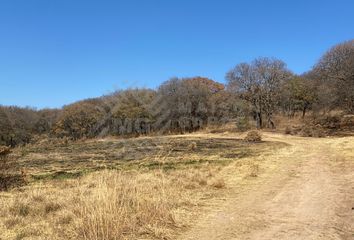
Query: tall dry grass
(108, 205)
(121, 205)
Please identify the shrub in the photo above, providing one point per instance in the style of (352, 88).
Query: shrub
(254, 170)
(312, 131)
(306, 131)
(288, 130)
(319, 132)
(242, 124)
(192, 146)
(9, 174)
(218, 183)
(253, 136)
(328, 122)
(347, 122)
(4, 161)
(4, 151)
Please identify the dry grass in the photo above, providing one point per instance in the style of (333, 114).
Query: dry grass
(218, 183)
(155, 197)
(48, 160)
(253, 136)
(10, 175)
(107, 205)
(254, 170)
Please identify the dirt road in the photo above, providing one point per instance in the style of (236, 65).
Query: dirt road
(303, 191)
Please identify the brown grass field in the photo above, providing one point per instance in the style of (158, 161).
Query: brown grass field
(197, 186)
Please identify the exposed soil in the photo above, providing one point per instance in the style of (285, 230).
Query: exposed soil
(303, 191)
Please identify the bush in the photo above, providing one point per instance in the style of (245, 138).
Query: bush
(253, 136)
(9, 174)
(319, 132)
(312, 131)
(288, 130)
(4, 151)
(328, 122)
(347, 122)
(218, 183)
(242, 124)
(192, 146)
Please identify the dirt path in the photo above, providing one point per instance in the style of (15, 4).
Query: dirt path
(304, 191)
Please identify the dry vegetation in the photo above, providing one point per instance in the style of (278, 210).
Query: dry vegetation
(254, 94)
(334, 124)
(253, 136)
(60, 159)
(148, 187)
(106, 205)
(302, 191)
(154, 196)
(10, 174)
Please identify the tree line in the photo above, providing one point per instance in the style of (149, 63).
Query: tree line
(256, 90)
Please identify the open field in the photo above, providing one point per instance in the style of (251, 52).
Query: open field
(150, 187)
(177, 120)
(59, 159)
(198, 186)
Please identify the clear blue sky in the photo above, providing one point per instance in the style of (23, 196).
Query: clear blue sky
(54, 52)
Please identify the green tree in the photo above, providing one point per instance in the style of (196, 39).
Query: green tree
(297, 95)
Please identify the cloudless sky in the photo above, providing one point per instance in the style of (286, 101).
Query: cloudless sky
(54, 52)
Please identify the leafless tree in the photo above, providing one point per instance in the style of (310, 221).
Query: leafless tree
(334, 74)
(259, 83)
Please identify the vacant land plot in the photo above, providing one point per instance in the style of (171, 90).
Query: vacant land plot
(60, 160)
(151, 187)
(199, 186)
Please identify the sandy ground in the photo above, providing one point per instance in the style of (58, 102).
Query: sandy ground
(304, 191)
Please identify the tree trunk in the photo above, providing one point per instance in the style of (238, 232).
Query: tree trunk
(303, 112)
(270, 122)
(259, 120)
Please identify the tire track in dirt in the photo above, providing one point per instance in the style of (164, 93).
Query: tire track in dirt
(309, 194)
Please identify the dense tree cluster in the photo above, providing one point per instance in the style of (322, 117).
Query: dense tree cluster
(333, 76)
(257, 90)
(190, 103)
(18, 125)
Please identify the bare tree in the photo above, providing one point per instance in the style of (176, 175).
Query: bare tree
(335, 73)
(16, 125)
(259, 83)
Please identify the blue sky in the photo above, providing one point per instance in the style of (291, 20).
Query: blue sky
(56, 52)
